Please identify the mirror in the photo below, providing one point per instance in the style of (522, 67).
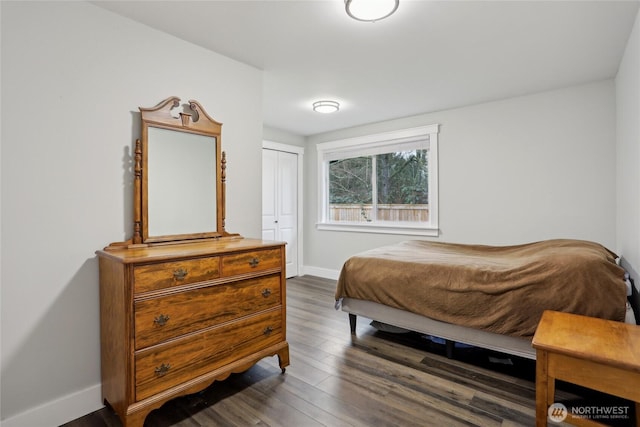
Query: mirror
(181, 189)
(179, 175)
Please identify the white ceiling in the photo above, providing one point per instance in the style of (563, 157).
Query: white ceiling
(428, 56)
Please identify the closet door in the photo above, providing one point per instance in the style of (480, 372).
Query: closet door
(280, 202)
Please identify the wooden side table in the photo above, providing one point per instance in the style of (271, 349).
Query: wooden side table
(599, 354)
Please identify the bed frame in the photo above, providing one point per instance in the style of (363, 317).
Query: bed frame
(452, 333)
(447, 331)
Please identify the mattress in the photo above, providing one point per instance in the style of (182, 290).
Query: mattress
(499, 289)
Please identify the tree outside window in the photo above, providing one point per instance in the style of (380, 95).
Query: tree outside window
(385, 187)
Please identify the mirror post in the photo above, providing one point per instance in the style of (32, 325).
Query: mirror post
(137, 187)
(223, 189)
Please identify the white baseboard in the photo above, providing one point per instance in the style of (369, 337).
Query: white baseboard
(321, 272)
(59, 411)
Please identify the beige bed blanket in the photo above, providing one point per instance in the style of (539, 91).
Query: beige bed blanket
(498, 289)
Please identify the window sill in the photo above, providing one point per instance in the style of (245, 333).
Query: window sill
(413, 230)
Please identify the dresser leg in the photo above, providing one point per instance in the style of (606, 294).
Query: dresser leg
(136, 419)
(283, 358)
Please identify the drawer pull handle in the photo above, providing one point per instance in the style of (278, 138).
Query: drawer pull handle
(162, 370)
(161, 320)
(266, 292)
(267, 331)
(180, 274)
(254, 262)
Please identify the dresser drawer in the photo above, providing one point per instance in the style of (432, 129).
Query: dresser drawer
(152, 277)
(160, 319)
(248, 262)
(168, 365)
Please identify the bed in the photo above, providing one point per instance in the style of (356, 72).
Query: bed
(484, 296)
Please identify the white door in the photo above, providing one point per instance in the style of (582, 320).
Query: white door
(280, 202)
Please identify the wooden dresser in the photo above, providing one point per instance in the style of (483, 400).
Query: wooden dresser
(177, 317)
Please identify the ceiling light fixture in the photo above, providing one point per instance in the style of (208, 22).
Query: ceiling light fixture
(370, 10)
(326, 106)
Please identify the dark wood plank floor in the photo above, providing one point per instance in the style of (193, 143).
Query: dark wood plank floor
(373, 379)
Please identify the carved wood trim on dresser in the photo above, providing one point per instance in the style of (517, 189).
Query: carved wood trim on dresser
(175, 318)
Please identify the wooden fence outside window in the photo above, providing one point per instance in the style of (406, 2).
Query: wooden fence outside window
(363, 213)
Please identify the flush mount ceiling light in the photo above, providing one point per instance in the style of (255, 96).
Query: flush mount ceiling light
(370, 10)
(326, 106)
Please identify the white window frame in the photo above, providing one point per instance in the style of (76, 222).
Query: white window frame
(394, 141)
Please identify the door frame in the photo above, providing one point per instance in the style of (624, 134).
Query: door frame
(299, 151)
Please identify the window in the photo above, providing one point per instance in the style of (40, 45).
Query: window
(383, 183)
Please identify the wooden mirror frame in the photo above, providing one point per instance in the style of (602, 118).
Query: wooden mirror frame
(160, 117)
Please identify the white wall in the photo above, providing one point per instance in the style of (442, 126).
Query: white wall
(282, 136)
(628, 153)
(513, 171)
(73, 77)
